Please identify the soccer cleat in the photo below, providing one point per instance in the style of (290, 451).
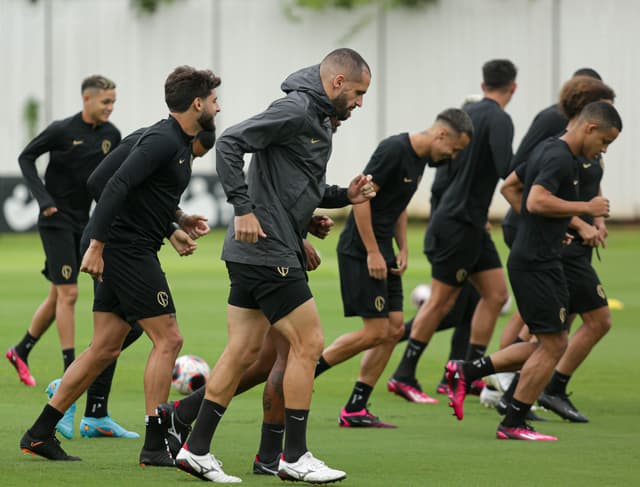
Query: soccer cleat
(156, 458)
(105, 426)
(443, 388)
(177, 431)
(562, 406)
(21, 367)
(205, 467)
(490, 396)
(523, 432)
(457, 387)
(411, 392)
(476, 387)
(361, 419)
(266, 468)
(309, 469)
(48, 448)
(65, 425)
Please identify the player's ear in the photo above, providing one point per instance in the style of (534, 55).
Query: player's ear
(338, 81)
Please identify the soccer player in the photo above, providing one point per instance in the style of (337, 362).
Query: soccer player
(291, 142)
(76, 145)
(550, 198)
(457, 243)
(133, 215)
(370, 271)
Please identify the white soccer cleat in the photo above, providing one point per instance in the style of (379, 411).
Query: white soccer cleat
(205, 467)
(309, 469)
(489, 396)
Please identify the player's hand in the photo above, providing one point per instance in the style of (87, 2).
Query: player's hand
(313, 258)
(194, 225)
(598, 206)
(320, 226)
(49, 211)
(247, 228)
(361, 189)
(377, 265)
(566, 241)
(183, 244)
(401, 263)
(92, 262)
(589, 235)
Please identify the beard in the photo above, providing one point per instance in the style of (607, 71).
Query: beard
(206, 122)
(343, 110)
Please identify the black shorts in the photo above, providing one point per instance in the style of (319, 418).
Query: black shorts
(542, 297)
(457, 250)
(276, 291)
(462, 312)
(509, 234)
(133, 285)
(62, 251)
(585, 291)
(364, 296)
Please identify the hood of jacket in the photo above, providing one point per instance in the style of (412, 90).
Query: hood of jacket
(307, 80)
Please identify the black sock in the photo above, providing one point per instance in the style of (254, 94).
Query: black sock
(516, 413)
(45, 425)
(98, 393)
(210, 414)
(359, 397)
(508, 394)
(187, 409)
(295, 442)
(154, 435)
(475, 351)
(407, 330)
(321, 366)
(557, 386)
(68, 356)
(406, 370)
(24, 347)
(477, 369)
(270, 442)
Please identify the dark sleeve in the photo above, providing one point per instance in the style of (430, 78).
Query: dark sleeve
(521, 171)
(334, 197)
(108, 167)
(500, 140)
(547, 123)
(383, 161)
(277, 123)
(46, 141)
(150, 154)
(553, 173)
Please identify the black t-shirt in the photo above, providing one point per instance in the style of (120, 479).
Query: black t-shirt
(75, 149)
(397, 170)
(139, 202)
(549, 122)
(481, 164)
(538, 243)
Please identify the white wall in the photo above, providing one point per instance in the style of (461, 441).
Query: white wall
(422, 61)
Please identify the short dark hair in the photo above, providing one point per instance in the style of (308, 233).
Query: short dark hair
(602, 113)
(457, 119)
(592, 73)
(579, 91)
(185, 84)
(348, 60)
(98, 82)
(498, 73)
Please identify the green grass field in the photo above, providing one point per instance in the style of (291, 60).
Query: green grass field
(429, 448)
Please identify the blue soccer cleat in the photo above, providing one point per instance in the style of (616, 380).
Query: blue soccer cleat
(105, 426)
(65, 425)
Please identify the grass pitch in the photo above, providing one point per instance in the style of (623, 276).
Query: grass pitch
(429, 447)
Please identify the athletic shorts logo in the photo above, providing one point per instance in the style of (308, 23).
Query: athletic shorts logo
(600, 291)
(283, 271)
(379, 303)
(163, 299)
(106, 146)
(563, 314)
(461, 275)
(315, 141)
(408, 180)
(77, 141)
(66, 271)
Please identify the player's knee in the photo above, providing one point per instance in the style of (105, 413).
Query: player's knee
(67, 295)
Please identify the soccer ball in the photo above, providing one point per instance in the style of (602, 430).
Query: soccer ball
(420, 294)
(189, 373)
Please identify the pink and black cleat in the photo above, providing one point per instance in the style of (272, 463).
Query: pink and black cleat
(411, 392)
(362, 419)
(457, 387)
(522, 432)
(21, 367)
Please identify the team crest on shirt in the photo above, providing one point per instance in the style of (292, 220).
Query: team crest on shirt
(163, 299)
(283, 271)
(461, 275)
(66, 271)
(600, 291)
(106, 146)
(379, 303)
(563, 314)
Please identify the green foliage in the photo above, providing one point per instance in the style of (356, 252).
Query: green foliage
(30, 115)
(351, 4)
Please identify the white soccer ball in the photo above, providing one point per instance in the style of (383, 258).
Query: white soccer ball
(420, 294)
(189, 373)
